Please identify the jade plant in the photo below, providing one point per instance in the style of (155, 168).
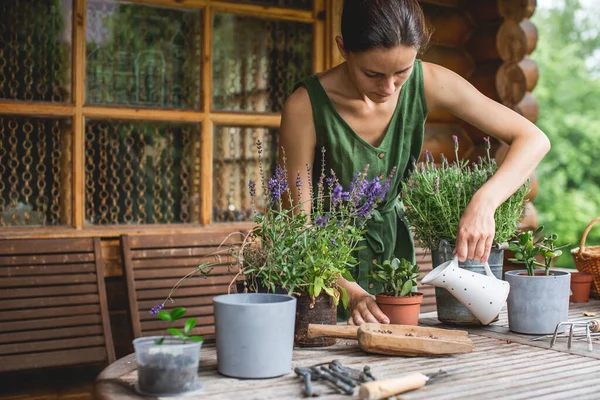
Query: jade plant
(174, 315)
(532, 247)
(398, 276)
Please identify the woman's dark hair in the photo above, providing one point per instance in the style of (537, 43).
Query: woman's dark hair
(370, 24)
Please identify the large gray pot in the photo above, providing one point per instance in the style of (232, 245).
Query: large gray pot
(536, 304)
(449, 309)
(255, 334)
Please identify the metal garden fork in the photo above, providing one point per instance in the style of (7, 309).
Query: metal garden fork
(590, 326)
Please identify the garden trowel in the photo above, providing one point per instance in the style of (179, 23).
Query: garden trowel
(398, 340)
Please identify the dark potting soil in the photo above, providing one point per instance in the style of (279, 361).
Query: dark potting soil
(168, 374)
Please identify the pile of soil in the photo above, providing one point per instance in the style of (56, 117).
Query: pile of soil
(168, 374)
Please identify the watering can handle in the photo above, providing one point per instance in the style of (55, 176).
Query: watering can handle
(486, 266)
(488, 271)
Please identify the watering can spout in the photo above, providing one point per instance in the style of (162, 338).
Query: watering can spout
(483, 295)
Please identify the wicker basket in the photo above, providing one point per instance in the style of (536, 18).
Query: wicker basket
(587, 259)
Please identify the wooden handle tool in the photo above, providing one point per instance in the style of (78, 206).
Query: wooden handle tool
(384, 388)
(337, 331)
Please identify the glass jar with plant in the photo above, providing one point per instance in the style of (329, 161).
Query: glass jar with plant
(435, 197)
(305, 255)
(537, 301)
(399, 300)
(168, 365)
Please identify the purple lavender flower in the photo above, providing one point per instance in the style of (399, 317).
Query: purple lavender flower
(487, 142)
(252, 187)
(277, 185)
(299, 180)
(444, 160)
(455, 140)
(428, 156)
(333, 241)
(321, 221)
(154, 310)
(365, 210)
(336, 194)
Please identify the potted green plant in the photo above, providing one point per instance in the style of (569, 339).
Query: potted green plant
(305, 255)
(399, 299)
(168, 365)
(435, 197)
(538, 298)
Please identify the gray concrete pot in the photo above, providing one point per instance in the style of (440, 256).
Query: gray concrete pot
(254, 334)
(536, 304)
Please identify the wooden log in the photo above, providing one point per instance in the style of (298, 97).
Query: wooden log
(438, 140)
(513, 80)
(451, 27)
(484, 11)
(529, 107)
(482, 44)
(515, 40)
(455, 59)
(484, 79)
(516, 10)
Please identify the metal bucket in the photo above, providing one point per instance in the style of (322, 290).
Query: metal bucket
(449, 310)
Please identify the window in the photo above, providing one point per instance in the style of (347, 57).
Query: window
(116, 113)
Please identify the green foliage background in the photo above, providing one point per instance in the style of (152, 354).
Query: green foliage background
(568, 55)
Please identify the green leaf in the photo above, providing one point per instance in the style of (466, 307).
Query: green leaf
(177, 313)
(406, 288)
(176, 332)
(189, 325)
(344, 297)
(164, 315)
(196, 338)
(318, 286)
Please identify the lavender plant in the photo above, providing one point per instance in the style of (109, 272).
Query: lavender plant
(302, 253)
(436, 196)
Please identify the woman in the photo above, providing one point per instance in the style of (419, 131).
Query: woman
(371, 109)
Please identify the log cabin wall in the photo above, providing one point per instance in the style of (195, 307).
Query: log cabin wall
(486, 41)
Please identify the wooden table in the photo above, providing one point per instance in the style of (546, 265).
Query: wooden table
(503, 365)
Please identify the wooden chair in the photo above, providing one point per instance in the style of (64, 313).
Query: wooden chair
(53, 308)
(155, 263)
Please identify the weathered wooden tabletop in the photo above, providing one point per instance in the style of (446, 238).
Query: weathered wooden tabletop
(503, 365)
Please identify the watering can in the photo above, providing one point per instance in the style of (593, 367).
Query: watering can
(483, 295)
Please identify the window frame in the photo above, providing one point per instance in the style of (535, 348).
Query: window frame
(78, 111)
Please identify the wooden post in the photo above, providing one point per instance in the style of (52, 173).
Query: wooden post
(78, 166)
(206, 138)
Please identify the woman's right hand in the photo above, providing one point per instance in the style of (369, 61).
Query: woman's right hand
(363, 308)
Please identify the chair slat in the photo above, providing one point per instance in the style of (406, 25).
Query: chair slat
(57, 333)
(46, 280)
(35, 313)
(27, 270)
(27, 361)
(44, 323)
(43, 259)
(48, 301)
(16, 293)
(180, 272)
(49, 345)
(46, 246)
(178, 262)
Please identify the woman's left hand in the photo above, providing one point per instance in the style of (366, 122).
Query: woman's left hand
(476, 231)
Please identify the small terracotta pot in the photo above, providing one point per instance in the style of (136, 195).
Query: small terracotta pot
(401, 310)
(580, 286)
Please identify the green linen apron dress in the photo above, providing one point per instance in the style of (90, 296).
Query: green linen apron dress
(346, 153)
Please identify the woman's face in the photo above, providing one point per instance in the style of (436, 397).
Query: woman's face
(379, 73)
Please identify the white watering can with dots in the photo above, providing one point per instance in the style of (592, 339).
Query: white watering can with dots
(483, 295)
